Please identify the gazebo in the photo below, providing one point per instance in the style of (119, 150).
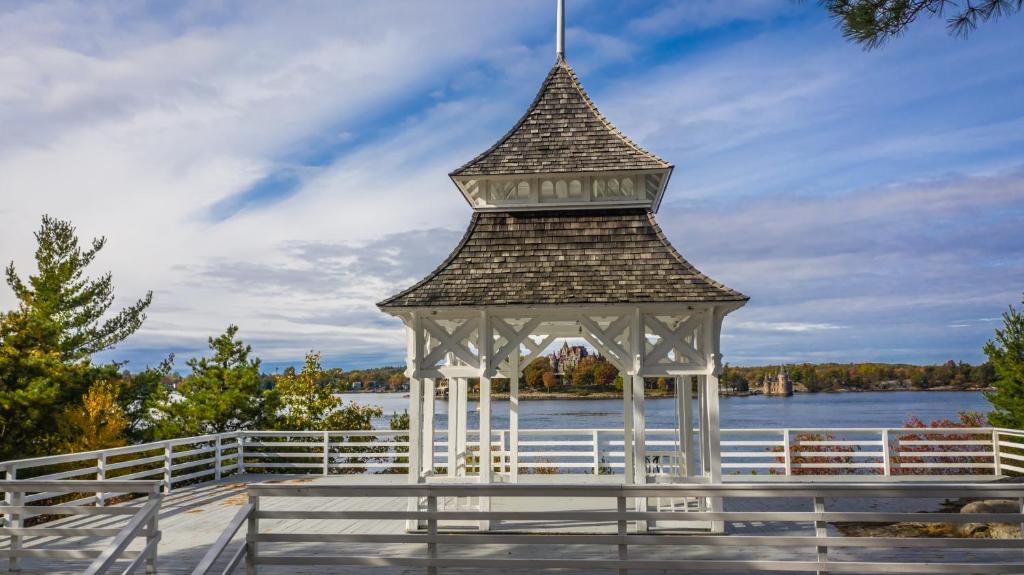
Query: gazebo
(563, 242)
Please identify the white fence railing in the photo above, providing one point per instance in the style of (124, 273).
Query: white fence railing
(800, 538)
(141, 522)
(745, 454)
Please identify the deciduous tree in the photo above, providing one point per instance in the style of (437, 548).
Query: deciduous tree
(307, 404)
(98, 422)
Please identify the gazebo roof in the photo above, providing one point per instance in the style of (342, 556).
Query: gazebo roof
(604, 256)
(561, 132)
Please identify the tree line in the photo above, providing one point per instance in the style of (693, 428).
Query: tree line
(821, 377)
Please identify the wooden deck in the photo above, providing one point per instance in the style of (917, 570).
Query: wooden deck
(192, 518)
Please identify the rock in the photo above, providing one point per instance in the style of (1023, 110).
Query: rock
(990, 530)
(992, 506)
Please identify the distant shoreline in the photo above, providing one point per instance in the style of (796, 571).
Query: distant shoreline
(659, 394)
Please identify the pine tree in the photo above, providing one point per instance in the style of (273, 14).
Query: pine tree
(61, 293)
(1006, 355)
(873, 22)
(222, 393)
(47, 342)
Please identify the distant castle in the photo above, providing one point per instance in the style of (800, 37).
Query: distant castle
(779, 385)
(568, 357)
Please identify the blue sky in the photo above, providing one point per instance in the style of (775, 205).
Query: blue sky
(283, 166)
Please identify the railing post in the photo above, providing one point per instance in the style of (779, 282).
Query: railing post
(597, 451)
(431, 534)
(240, 443)
(327, 452)
(886, 453)
(622, 532)
(153, 532)
(101, 475)
(218, 455)
(168, 462)
(820, 532)
(13, 520)
(997, 465)
(252, 531)
(787, 449)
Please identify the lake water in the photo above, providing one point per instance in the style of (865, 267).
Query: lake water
(819, 410)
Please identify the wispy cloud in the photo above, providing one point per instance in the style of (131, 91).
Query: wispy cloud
(284, 168)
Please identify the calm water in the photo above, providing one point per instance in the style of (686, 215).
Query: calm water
(879, 409)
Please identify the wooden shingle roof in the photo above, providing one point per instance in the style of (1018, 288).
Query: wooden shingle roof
(563, 257)
(562, 131)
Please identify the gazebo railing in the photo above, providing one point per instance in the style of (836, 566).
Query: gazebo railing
(745, 454)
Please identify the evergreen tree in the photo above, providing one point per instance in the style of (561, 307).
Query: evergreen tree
(222, 393)
(61, 293)
(47, 342)
(1006, 355)
(873, 22)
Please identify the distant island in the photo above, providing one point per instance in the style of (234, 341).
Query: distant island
(574, 372)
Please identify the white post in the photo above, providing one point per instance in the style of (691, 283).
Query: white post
(13, 519)
(787, 450)
(415, 428)
(251, 534)
(997, 465)
(712, 325)
(327, 452)
(821, 531)
(463, 429)
(596, 440)
(627, 427)
(639, 431)
(513, 416)
(486, 463)
(218, 457)
(702, 431)
(415, 449)
(453, 426)
(168, 462)
(684, 400)
(240, 451)
(429, 389)
(886, 453)
(101, 475)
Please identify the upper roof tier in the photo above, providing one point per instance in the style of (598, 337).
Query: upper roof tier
(561, 132)
(563, 154)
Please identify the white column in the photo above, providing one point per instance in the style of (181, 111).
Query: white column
(453, 426)
(429, 389)
(415, 443)
(415, 429)
(639, 431)
(513, 415)
(702, 399)
(684, 404)
(486, 465)
(627, 427)
(461, 431)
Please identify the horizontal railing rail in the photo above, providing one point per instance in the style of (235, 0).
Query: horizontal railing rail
(799, 539)
(745, 453)
(142, 521)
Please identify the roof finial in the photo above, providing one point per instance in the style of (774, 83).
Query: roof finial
(560, 32)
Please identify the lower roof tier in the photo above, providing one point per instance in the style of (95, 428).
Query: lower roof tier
(608, 256)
